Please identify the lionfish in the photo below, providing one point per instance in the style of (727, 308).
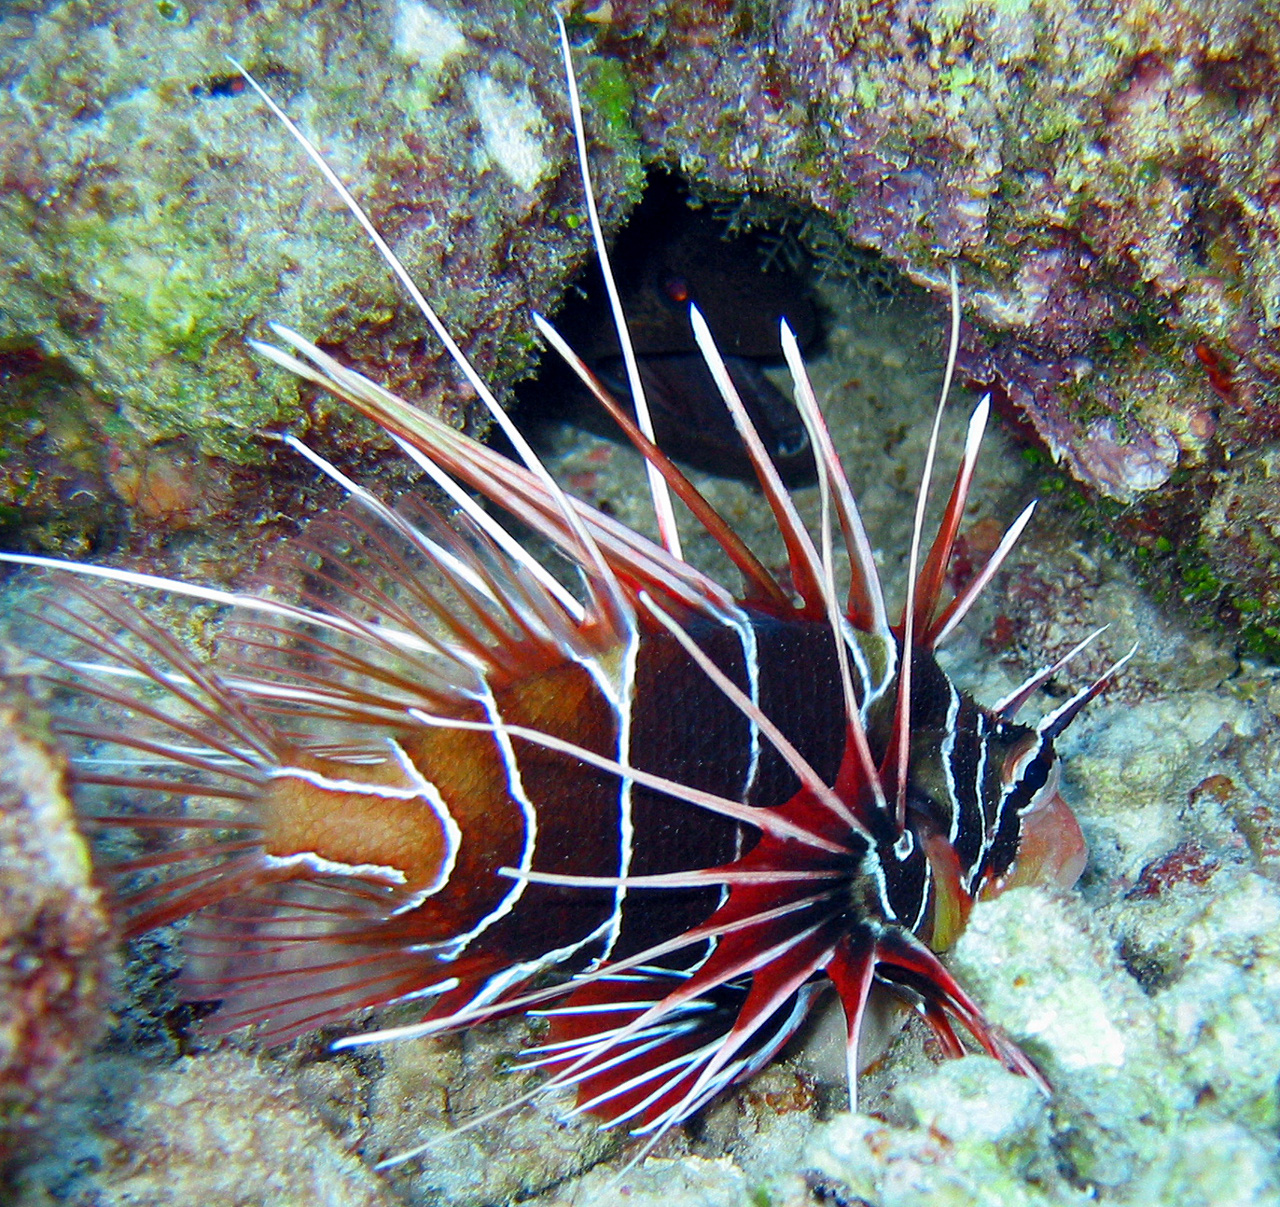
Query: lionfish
(663, 814)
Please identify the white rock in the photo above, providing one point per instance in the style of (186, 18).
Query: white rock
(426, 36)
(514, 129)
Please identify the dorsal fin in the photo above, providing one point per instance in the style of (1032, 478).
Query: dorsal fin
(512, 487)
(658, 490)
(760, 586)
(806, 572)
(897, 756)
(602, 582)
(865, 609)
(933, 574)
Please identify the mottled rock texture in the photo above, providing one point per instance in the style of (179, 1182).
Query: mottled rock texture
(155, 215)
(218, 1131)
(56, 943)
(1102, 177)
(1100, 174)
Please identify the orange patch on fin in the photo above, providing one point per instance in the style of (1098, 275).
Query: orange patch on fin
(952, 903)
(366, 816)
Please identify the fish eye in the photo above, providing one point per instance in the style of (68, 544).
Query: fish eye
(1017, 758)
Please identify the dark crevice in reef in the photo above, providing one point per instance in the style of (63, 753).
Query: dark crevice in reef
(746, 262)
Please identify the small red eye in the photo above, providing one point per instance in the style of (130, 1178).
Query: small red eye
(677, 289)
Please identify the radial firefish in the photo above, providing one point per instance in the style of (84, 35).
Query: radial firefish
(665, 813)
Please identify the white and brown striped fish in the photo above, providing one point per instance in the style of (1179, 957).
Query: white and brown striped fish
(663, 813)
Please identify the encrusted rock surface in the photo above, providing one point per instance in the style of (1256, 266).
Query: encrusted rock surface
(218, 1130)
(1102, 176)
(56, 943)
(1101, 173)
(155, 215)
(1150, 999)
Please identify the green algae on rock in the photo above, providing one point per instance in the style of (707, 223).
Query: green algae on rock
(154, 215)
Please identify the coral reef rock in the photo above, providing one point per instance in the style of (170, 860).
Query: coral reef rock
(155, 214)
(55, 938)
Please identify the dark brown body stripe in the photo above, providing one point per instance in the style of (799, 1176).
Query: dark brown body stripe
(713, 754)
(1007, 829)
(800, 691)
(968, 761)
(796, 681)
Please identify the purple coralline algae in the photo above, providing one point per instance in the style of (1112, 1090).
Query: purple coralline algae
(1101, 176)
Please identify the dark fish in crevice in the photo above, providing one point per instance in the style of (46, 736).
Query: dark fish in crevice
(668, 256)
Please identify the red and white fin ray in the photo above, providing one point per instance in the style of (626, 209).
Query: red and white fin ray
(1051, 727)
(897, 756)
(590, 1054)
(831, 475)
(754, 944)
(495, 626)
(487, 596)
(695, 878)
(495, 531)
(794, 961)
(901, 957)
(258, 604)
(196, 742)
(941, 628)
(236, 736)
(610, 601)
(351, 661)
(802, 770)
(300, 955)
(663, 510)
(1009, 706)
(366, 591)
(779, 947)
(936, 1019)
(388, 515)
(852, 969)
(806, 573)
(465, 1016)
(933, 575)
(761, 588)
(591, 1023)
(865, 609)
(509, 485)
(587, 1050)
